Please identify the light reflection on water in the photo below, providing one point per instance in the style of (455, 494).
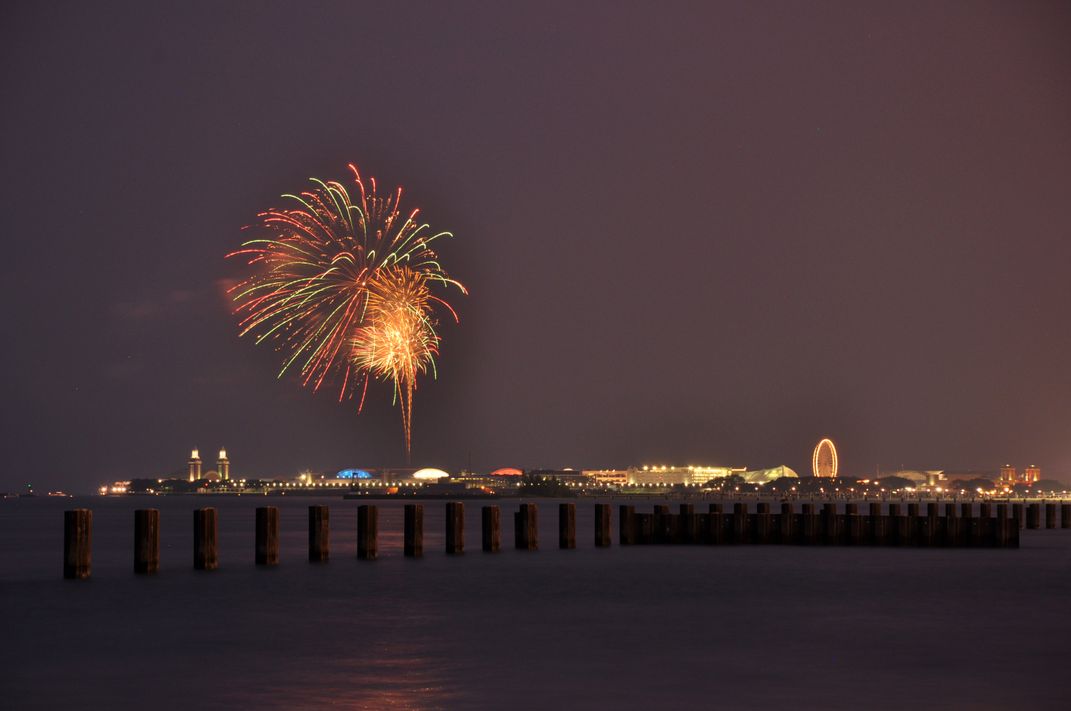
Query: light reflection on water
(395, 675)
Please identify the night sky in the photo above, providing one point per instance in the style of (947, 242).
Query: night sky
(693, 233)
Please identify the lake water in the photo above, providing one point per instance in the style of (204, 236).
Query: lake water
(635, 627)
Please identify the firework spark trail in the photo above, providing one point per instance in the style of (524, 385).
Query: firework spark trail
(342, 288)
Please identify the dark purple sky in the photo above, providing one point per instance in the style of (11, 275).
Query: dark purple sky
(693, 233)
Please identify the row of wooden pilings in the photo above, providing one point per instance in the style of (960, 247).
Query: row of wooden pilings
(958, 528)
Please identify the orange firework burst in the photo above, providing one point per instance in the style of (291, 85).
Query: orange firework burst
(343, 288)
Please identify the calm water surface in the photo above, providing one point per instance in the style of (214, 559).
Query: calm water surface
(641, 627)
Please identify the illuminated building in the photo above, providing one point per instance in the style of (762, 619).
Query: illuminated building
(429, 474)
(1010, 477)
(824, 460)
(194, 465)
(764, 476)
(507, 471)
(354, 474)
(669, 475)
(607, 477)
(223, 466)
(564, 475)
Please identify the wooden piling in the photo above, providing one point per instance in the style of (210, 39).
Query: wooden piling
(986, 525)
(810, 526)
(413, 533)
(645, 528)
(1050, 515)
(455, 528)
(602, 525)
(367, 532)
(567, 526)
(738, 528)
(205, 555)
(319, 534)
(1018, 513)
(951, 535)
(1033, 516)
(898, 526)
(1065, 515)
(687, 525)
(626, 525)
(661, 524)
(877, 526)
(763, 529)
(146, 541)
(932, 534)
(786, 524)
(1003, 527)
(77, 544)
(715, 533)
(830, 529)
(970, 532)
(490, 531)
(527, 528)
(853, 525)
(267, 535)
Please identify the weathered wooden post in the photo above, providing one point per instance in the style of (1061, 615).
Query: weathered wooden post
(738, 524)
(899, 526)
(567, 526)
(715, 525)
(968, 525)
(786, 525)
(602, 525)
(267, 533)
(146, 541)
(1033, 516)
(367, 532)
(686, 527)
(986, 525)
(1065, 515)
(810, 526)
(319, 534)
(877, 526)
(914, 524)
(1050, 514)
(205, 556)
(626, 525)
(931, 530)
(490, 530)
(830, 530)
(950, 527)
(661, 524)
(1018, 513)
(853, 525)
(1002, 529)
(527, 528)
(413, 545)
(455, 528)
(763, 523)
(77, 544)
(645, 528)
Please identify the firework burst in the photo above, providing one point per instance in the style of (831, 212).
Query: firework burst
(342, 288)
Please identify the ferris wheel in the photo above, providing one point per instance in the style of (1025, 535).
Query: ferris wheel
(824, 461)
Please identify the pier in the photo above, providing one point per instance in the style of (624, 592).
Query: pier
(890, 525)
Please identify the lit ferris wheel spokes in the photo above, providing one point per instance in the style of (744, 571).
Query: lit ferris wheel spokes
(824, 461)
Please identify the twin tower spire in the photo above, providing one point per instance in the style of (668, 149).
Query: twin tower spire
(223, 467)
